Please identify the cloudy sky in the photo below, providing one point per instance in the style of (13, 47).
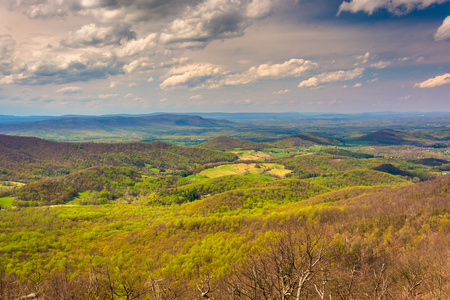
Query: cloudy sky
(142, 56)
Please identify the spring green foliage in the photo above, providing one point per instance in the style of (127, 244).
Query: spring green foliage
(187, 242)
(329, 169)
(356, 178)
(109, 183)
(178, 220)
(26, 159)
(6, 201)
(343, 152)
(430, 161)
(224, 143)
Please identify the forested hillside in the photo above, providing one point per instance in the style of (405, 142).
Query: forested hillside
(395, 137)
(27, 158)
(224, 143)
(159, 221)
(386, 242)
(293, 141)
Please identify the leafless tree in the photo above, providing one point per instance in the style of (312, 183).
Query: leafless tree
(381, 283)
(160, 289)
(286, 269)
(205, 288)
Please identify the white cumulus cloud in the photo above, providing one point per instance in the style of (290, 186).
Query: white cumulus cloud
(42, 9)
(434, 82)
(398, 7)
(280, 92)
(332, 77)
(380, 64)
(107, 96)
(443, 32)
(92, 35)
(258, 9)
(292, 68)
(212, 76)
(139, 46)
(363, 58)
(191, 76)
(70, 90)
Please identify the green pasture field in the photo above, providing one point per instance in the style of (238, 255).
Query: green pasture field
(6, 201)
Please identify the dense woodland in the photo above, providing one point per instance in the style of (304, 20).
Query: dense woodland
(26, 158)
(300, 217)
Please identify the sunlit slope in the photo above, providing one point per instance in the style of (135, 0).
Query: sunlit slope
(180, 245)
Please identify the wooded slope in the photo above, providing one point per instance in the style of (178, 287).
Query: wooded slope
(27, 158)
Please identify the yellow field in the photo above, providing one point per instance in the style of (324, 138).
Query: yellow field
(242, 169)
(10, 184)
(253, 155)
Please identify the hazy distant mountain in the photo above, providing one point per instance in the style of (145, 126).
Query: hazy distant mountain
(305, 140)
(245, 117)
(21, 119)
(110, 123)
(387, 137)
(191, 129)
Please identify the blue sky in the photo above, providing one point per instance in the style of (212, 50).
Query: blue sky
(141, 56)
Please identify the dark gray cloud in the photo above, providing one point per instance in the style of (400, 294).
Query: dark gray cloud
(85, 68)
(115, 53)
(213, 20)
(148, 10)
(41, 9)
(7, 46)
(132, 10)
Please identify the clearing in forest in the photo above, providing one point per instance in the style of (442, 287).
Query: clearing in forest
(267, 169)
(252, 155)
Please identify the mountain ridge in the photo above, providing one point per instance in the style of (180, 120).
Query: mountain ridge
(105, 123)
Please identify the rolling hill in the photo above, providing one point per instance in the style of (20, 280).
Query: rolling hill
(224, 143)
(156, 219)
(305, 140)
(28, 158)
(387, 137)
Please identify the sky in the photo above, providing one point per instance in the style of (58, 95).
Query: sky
(97, 57)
